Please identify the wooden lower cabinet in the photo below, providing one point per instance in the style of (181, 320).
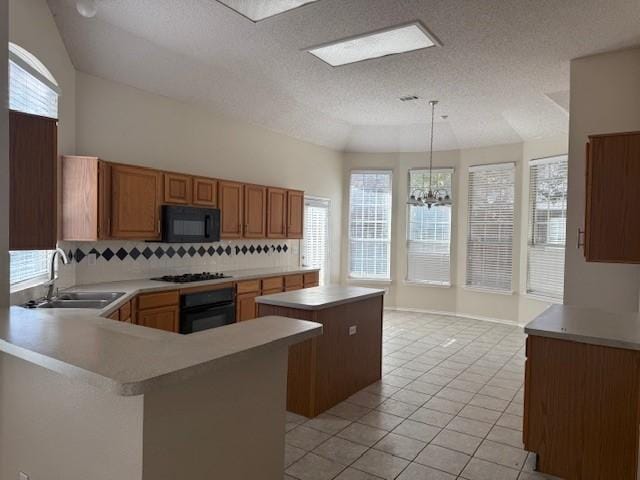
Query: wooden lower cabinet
(311, 279)
(163, 318)
(246, 307)
(293, 282)
(582, 409)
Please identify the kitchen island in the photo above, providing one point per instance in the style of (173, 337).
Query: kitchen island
(85, 397)
(325, 370)
(582, 393)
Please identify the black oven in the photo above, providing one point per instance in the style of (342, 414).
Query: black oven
(201, 311)
(190, 224)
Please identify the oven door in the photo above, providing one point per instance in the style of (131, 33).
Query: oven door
(190, 224)
(203, 318)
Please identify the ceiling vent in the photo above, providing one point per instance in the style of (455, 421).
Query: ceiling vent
(409, 98)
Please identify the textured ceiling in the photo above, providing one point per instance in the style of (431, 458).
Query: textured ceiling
(501, 74)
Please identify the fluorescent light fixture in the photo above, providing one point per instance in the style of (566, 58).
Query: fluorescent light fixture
(256, 10)
(390, 41)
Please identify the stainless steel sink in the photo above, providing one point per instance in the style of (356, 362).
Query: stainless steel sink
(94, 300)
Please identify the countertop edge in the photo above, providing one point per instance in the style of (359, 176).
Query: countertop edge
(266, 300)
(586, 339)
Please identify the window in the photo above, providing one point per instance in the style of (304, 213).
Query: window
(490, 227)
(315, 246)
(370, 225)
(429, 233)
(547, 227)
(32, 89)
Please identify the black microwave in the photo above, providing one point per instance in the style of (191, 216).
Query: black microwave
(190, 224)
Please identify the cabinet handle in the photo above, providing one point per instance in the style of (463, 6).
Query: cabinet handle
(580, 238)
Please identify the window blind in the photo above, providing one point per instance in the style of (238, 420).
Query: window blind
(490, 227)
(315, 246)
(547, 226)
(429, 232)
(31, 90)
(370, 224)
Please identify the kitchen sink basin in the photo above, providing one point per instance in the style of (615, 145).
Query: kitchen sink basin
(94, 300)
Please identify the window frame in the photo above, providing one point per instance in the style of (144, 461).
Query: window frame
(512, 166)
(327, 269)
(350, 277)
(530, 233)
(428, 283)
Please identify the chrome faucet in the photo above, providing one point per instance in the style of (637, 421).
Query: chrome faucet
(52, 271)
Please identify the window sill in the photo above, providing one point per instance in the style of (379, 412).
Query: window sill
(415, 283)
(27, 284)
(488, 290)
(541, 298)
(369, 280)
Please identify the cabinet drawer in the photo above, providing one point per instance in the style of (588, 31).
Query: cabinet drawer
(249, 286)
(155, 300)
(311, 279)
(273, 283)
(293, 281)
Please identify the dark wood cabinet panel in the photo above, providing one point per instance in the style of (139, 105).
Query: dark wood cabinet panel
(612, 223)
(205, 193)
(255, 211)
(295, 214)
(230, 202)
(135, 204)
(33, 155)
(177, 188)
(276, 213)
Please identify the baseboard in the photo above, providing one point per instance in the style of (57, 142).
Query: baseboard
(455, 314)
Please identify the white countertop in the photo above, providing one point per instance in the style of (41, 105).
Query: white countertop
(588, 325)
(128, 359)
(319, 298)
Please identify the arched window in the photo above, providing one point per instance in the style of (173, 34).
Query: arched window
(32, 89)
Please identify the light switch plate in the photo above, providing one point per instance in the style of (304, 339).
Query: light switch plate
(353, 329)
(92, 257)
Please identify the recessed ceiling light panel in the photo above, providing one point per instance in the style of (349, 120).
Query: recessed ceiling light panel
(257, 10)
(391, 41)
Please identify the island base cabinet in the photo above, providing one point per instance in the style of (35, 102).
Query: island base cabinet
(581, 409)
(346, 358)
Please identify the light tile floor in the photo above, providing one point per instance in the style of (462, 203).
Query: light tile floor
(449, 406)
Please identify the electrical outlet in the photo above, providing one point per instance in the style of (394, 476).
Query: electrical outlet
(92, 258)
(353, 329)
(23, 476)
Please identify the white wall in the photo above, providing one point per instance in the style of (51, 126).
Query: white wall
(4, 158)
(516, 307)
(605, 98)
(124, 124)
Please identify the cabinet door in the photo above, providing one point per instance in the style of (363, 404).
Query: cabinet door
(255, 211)
(205, 192)
(246, 307)
(612, 223)
(293, 282)
(295, 214)
(311, 279)
(163, 318)
(177, 188)
(32, 183)
(135, 211)
(276, 213)
(230, 202)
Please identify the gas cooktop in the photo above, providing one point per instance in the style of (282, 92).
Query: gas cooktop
(192, 277)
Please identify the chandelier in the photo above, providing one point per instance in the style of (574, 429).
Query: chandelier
(428, 197)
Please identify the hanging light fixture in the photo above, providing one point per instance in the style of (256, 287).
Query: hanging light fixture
(421, 197)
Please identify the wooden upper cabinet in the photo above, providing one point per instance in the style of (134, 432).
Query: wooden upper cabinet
(295, 214)
(230, 203)
(205, 192)
(32, 183)
(177, 188)
(612, 222)
(84, 206)
(255, 211)
(276, 213)
(135, 202)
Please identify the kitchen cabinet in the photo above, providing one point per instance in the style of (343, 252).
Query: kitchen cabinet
(135, 202)
(230, 202)
(205, 193)
(272, 285)
(276, 213)
(295, 214)
(246, 293)
(293, 282)
(255, 211)
(311, 279)
(177, 188)
(33, 157)
(102, 200)
(612, 223)
(159, 310)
